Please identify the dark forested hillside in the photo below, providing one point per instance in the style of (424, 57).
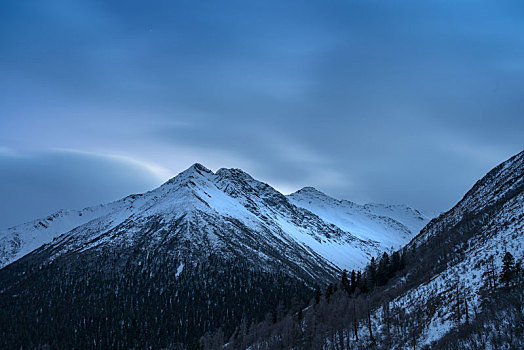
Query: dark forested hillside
(360, 313)
(98, 303)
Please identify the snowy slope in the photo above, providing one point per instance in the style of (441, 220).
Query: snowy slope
(390, 226)
(18, 241)
(449, 293)
(495, 207)
(467, 241)
(218, 211)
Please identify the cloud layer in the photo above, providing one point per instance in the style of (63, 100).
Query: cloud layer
(33, 186)
(403, 102)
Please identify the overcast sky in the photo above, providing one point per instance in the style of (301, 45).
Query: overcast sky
(373, 101)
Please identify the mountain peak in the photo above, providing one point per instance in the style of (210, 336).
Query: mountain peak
(195, 170)
(231, 172)
(237, 175)
(244, 180)
(310, 192)
(310, 189)
(199, 167)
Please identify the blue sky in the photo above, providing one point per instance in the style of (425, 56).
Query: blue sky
(373, 101)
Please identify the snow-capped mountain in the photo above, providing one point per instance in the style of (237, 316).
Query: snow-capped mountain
(203, 251)
(390, 226)
(214, 251)
(307, 227)
(461, 286)
(18, 241)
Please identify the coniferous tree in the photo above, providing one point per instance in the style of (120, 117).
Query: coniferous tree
(318, 294)
(345, 281)
(489, 275)
(402, 264)
(372, 271)
(329, 291)
(508, 269)
(361, 283)
(383, 270)
(395, 261)
(353, 281)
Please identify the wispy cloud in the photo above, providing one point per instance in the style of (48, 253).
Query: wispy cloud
(36, 184)
(370, 101)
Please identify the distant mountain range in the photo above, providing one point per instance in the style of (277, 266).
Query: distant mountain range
(306, 226)
(216, 247)
(214, 253)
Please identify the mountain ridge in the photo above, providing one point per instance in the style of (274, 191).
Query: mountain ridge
(212, 249)
(214, 252)
(183, 193)
(452, 290)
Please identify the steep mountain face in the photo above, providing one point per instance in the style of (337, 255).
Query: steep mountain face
(306, 226)
(498, 192)
(205, 250)
(227, 213)
(473, 238)
(453, 292)
(384, 226)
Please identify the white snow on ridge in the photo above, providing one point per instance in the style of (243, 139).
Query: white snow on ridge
(15, 242)
(343, 233)
(390, 226)
(340, 253)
